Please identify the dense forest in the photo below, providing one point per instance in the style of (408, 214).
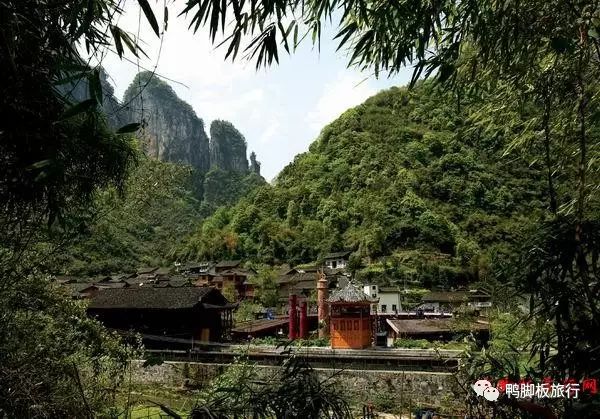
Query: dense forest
(143, 225)
(406, 174)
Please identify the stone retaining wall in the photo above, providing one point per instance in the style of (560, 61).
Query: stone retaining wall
(366, 386)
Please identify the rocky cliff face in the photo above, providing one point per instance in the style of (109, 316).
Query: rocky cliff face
(172, 132)
(227, 147)
(79, 91)
(254, 164)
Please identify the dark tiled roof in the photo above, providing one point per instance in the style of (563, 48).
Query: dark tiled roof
(429, 326)
(66, 279)
(156, 298)
(80, 286)
(228, 264)
(137, 281)
(177, 282)
(298, 277)
(308, 275)
(107, 285)
(390, 290)
(304, 285)
(334, 255)
(446, 297)
(146, 270)
(238, 272)
(163, 271)
(349, 294)
(118, 277)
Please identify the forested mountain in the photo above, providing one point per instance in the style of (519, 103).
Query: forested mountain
(183, 177)
(404, 175)
(158, 211)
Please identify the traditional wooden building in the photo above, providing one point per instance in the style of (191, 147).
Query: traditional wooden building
(226, 265)
(449, 301)
(302, 282)
(337, 260)
(81, 290)
(350, 322)
(164, 315)
(440, 329)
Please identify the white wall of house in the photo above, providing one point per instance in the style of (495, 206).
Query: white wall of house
(336, 263)
(479, 304)
(389, 302)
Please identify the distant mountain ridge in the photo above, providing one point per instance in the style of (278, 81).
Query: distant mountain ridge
(172, 131)
(184, 177)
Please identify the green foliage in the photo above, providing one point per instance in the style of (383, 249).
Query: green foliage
(560, 272)
(292, 391)
(425, 344)
(139, 227)
(399, 172)
(149, 221)
(267, 289)
(223, 187)
(57, 155)
(274, 341)
(246, 311)
(54, 360)
(229, 292)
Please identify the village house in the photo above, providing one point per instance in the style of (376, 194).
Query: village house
(435, 329)
(449, 301)
(227, 273)
(165, 316)
(175, 281)
(226, 265)
(337, 260)
(81, 290)
(194, 268)
(350, 320)
(388, 298)
(302, 282)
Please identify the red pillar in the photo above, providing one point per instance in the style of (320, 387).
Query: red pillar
(292, 318)
(323, 312)
(303, 320)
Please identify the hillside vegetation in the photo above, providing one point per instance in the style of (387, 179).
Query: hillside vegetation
(158, 210)
(403, 178)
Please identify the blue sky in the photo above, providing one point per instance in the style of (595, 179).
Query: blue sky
(280, 110)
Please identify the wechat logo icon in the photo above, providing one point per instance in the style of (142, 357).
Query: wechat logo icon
(484, 388)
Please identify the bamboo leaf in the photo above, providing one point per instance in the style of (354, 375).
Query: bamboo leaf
(95, 86)
(78, 108)
(39, 164)
(129, 128)
(71, 78)
(149, 15)
(116, 33)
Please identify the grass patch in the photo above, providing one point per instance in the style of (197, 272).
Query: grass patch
(426, 344)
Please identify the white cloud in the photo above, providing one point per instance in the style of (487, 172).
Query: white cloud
(348, 90)
(271, 133)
